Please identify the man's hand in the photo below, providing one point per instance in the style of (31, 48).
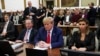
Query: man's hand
(18, 41)
(27, 16)
(81, 49)
(74, 48)
(43, 44)
(3, 33)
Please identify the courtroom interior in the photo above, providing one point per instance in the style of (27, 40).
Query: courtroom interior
(49, 27)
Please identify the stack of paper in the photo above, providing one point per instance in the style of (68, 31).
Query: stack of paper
(38, 48)
(17, 45)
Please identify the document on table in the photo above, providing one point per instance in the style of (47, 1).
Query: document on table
(17, 45)
(38, 48)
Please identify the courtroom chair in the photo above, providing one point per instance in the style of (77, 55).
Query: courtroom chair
(98, 36)
(65, 40)
(96, 44)
(74, 30)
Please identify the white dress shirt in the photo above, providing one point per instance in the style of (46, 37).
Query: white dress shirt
(67, 18)
(5, 27)
(26, 38)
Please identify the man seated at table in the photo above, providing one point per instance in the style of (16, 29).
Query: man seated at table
(49, 36)
(7, 30)
(27, 35)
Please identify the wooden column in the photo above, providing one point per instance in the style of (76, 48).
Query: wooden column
(24, 3)
(3, 4)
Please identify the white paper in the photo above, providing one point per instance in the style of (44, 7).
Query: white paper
(16, 45)
(38, 48)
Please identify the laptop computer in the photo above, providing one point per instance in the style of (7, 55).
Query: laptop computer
(34, 52)
(6, 49)
(67, 52)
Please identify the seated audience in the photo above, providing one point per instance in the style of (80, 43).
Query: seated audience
(49, 36)
(7, 31)
(27, 35)
(84, 39)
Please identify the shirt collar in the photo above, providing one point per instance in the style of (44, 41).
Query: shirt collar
(29, 29)
(7, 21)
(51, 30)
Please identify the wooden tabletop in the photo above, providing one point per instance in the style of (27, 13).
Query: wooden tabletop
(51, 52)
(75, 26)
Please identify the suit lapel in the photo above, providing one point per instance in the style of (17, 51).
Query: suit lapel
(8, 25)
(44, 35)
(31, 33)
(53, 34)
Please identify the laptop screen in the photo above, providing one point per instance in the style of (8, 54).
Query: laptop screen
(34, 52)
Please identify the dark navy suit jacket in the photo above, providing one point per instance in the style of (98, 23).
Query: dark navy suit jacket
(32, 35)
(56, 37)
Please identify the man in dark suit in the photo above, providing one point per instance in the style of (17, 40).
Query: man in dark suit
(40, 15)
(7, 31)
(97, 16)
(27, 35)
(49, 36)
(30, 12)
(91, 16)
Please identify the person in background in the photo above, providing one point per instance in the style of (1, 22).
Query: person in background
(49, 36)
(30, 12)
(97, 16)
(67, 18)
(15, 18)
(40, 15)
(20, 14)
(83, 13)
(27, 35)
(1, 20)
(84, 39)
(48, 12)
(91, 15)
(75, 16)
(55, 17)
(11, 15)
(61, 17)
(7, 31)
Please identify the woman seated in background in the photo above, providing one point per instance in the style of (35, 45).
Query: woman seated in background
(84, 39)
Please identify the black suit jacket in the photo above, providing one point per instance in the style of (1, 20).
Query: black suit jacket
(26, 11)
(89, 41)
(32, 35)
(69, 18)
(10, 29)
(56, 37)
(56, 19)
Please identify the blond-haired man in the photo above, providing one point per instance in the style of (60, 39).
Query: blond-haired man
(49, 36)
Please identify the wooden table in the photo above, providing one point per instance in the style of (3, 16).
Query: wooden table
(65, 52)
(67, 28)
(51, 52)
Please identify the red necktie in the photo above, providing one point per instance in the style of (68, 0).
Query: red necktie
(48, 37)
